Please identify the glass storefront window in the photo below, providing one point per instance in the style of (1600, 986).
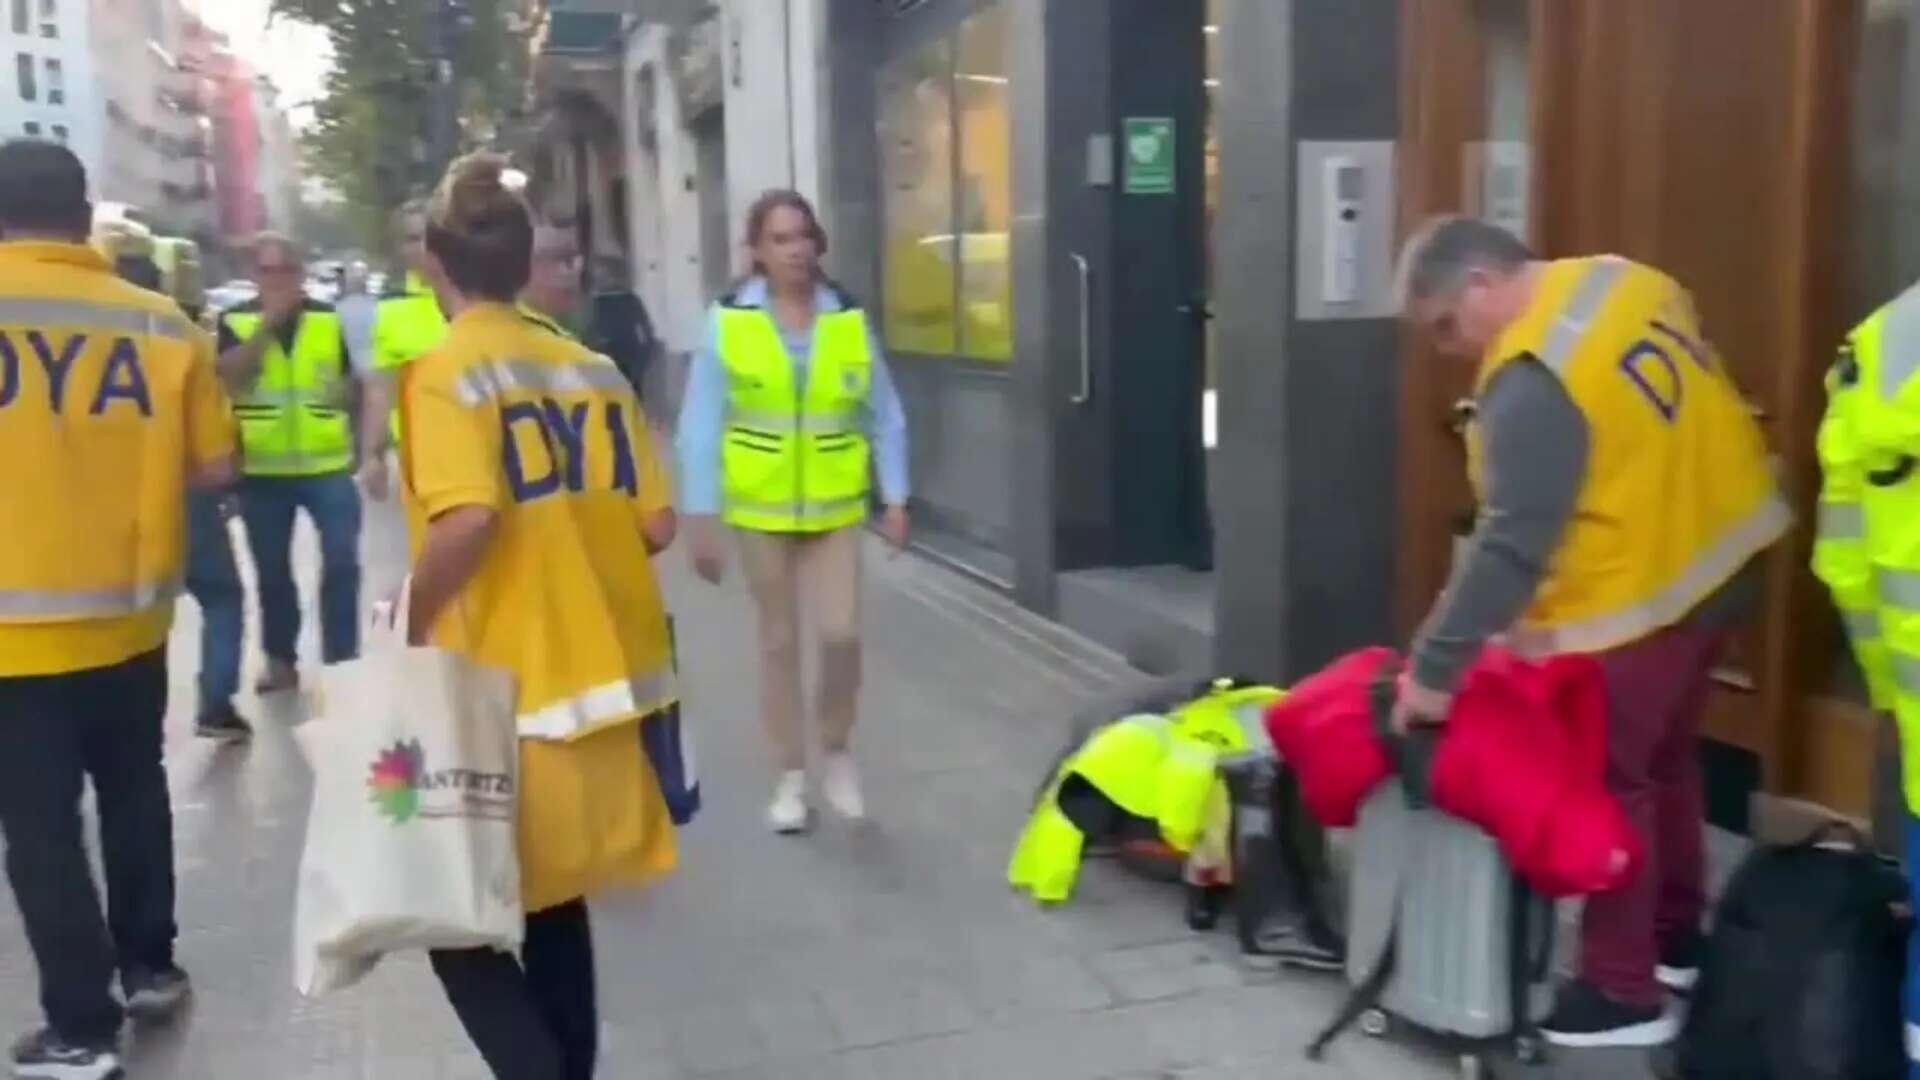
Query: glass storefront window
(947, 183)
(916, 173)
(986, 188)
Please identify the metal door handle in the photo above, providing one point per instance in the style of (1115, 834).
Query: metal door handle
(1085, 393)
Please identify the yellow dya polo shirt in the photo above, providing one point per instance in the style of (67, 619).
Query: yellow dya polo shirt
(107, 396)
(511, 417)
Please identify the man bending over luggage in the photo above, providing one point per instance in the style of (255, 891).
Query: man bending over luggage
(1623, 487)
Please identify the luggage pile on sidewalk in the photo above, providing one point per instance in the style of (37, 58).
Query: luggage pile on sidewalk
(1464, 836)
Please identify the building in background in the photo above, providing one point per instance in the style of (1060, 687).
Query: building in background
(167, 119)
(47, 74)
(278, 164)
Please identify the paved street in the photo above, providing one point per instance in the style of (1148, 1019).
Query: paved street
(888, 951)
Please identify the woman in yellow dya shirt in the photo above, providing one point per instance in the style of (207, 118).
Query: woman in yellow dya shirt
(534, 503)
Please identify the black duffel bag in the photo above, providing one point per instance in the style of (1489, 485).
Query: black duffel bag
(1801, 975)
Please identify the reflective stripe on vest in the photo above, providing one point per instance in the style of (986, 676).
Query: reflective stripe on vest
(1900, 588)
(810, 511)
(1842, 521)
(1862, 625)
(590, 710)
(492, 381)
(774, 423)
(81, 314)
(1896, 343)
(1717, 564)
(1906, 671)
(1582, 307)
(77, 604)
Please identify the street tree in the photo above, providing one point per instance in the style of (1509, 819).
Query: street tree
(413, 83)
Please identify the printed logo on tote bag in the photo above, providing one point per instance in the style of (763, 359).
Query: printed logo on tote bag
(402, 788)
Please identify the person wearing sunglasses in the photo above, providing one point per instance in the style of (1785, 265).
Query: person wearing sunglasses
(1624, 489)
(285, 358)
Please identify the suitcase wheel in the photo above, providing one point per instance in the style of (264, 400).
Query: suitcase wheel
(1375, 1023)
(1475, 1067)
(1529, 1050)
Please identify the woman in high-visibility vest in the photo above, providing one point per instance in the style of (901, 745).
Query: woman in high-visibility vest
(789, 407)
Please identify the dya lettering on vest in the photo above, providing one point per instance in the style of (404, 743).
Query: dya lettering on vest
(1634, 366)
(122, 378)
(625, 471)
(569, 429)
(561, 431)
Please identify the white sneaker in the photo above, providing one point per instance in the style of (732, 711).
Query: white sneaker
(841, 785)
(787, 813)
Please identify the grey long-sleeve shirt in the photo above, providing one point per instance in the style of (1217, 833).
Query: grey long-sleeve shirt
(1534, 453)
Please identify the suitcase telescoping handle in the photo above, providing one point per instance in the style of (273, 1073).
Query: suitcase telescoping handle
(1412, 753)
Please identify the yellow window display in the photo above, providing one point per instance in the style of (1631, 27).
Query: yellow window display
(947, 179)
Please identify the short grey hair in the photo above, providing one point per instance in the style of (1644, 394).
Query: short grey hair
(287, 246)
(1446, 249)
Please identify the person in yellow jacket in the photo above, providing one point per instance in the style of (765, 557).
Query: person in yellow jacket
(1624, 487)
(535, 505)
(286, 360)
(1865, 551)
(109, 410)
(789, 407)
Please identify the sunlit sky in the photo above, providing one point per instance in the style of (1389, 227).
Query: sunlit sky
(295, 56)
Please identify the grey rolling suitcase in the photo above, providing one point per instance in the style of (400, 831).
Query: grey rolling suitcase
(1441, 933)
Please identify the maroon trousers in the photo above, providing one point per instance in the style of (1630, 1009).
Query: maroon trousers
(1656, 691)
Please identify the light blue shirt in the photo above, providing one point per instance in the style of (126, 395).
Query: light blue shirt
(703, 414)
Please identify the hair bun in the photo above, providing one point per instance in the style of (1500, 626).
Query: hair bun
(474, 192)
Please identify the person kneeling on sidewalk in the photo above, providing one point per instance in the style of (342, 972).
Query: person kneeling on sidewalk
(1624, 486)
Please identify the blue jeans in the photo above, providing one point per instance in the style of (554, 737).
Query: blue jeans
(269, 505)
(214, 582)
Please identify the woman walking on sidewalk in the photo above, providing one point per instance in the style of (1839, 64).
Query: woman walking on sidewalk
(787, 402)
(535, 502)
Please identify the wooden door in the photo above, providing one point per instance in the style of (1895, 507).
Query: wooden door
(1707, 138)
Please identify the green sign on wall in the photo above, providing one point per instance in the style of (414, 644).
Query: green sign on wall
(1147, 147)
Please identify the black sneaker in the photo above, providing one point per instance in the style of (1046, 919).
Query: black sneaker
(224, 723)
(1679, 966)
(1584, 1018)
(155, 995)
(1300, 943)
(44, 1055)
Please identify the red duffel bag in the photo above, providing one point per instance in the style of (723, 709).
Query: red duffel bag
(1523, 756)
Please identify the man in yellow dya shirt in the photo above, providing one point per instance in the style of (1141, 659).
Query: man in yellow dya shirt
(1624, 489)
(95, 374)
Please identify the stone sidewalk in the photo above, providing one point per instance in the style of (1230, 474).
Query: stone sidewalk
(885, 951)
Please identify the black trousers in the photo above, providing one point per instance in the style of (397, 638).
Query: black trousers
(534, 1018)
(55, 732)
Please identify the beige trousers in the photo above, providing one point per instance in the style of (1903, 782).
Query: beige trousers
(820, 572)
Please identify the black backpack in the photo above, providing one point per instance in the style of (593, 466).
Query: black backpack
(1801, 976)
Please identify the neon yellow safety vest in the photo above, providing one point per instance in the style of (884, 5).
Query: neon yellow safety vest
(1868, 547)
(293, 421)
(1162, 768)
(406, 326)
(794, 459)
